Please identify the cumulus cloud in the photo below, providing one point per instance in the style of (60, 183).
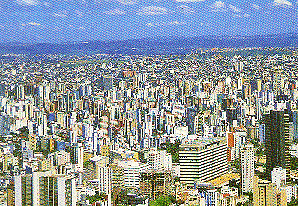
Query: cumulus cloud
(234, 9)
(28, 2)
(153, 10)
(218, 6)
(282, 3)
(115, 12)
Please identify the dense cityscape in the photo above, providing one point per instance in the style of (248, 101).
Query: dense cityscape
(214, 127)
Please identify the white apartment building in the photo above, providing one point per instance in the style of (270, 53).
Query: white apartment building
(132, 172)
(279, 176)
(247, 167)
(159, 160)
(104, 175)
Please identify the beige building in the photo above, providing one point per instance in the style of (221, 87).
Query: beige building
(266, 193)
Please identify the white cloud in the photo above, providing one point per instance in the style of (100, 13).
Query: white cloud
(234, 9)
(30, 24)
(255, 6)
(62, 14)
(150, 24)
(186, 9)
(34, 24)
(176, 23)
(218, 6)
(172, 23)
(115, 12)
(282, 3)
(28, 2)
(153, 10)
(189, 1)
(128, 2)
(59, 15)
(241, 16)
(46, 4)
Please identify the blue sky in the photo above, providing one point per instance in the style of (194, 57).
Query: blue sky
(80, 20)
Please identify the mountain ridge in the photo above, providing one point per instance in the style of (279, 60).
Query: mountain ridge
(156, 45)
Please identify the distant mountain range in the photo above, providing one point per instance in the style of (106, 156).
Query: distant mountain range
(158, 45)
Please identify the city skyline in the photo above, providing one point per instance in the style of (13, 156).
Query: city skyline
(148, 103)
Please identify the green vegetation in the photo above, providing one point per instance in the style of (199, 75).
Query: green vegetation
(119, 196)
(24, 132)
(162, 201)
(294, 202)
(88, 164)
(293, 163)
(260, 148)
(97, 197)
(244, 204)
(173, 149)
(237, 164)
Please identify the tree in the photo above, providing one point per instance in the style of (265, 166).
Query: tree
(237, 164)
(173, 149)
(162, 201)
(294, 202)
(97, 197)
(293, 163)
(88, 164)
(119, 196)
(24, 132)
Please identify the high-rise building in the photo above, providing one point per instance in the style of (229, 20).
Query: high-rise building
(155, 183)
(57, 190)
(247, 167)
(77, 155)
(107, 82)
(104, 178)
(117, 178)
(278, 177)
(203, 161)
(295, 124)
(266, 193)
(4, 124)
(41, 189)
(132, 172)
(159, 160)
(276, 140)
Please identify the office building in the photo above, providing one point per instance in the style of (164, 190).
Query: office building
(203, 161)
(276, 140)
